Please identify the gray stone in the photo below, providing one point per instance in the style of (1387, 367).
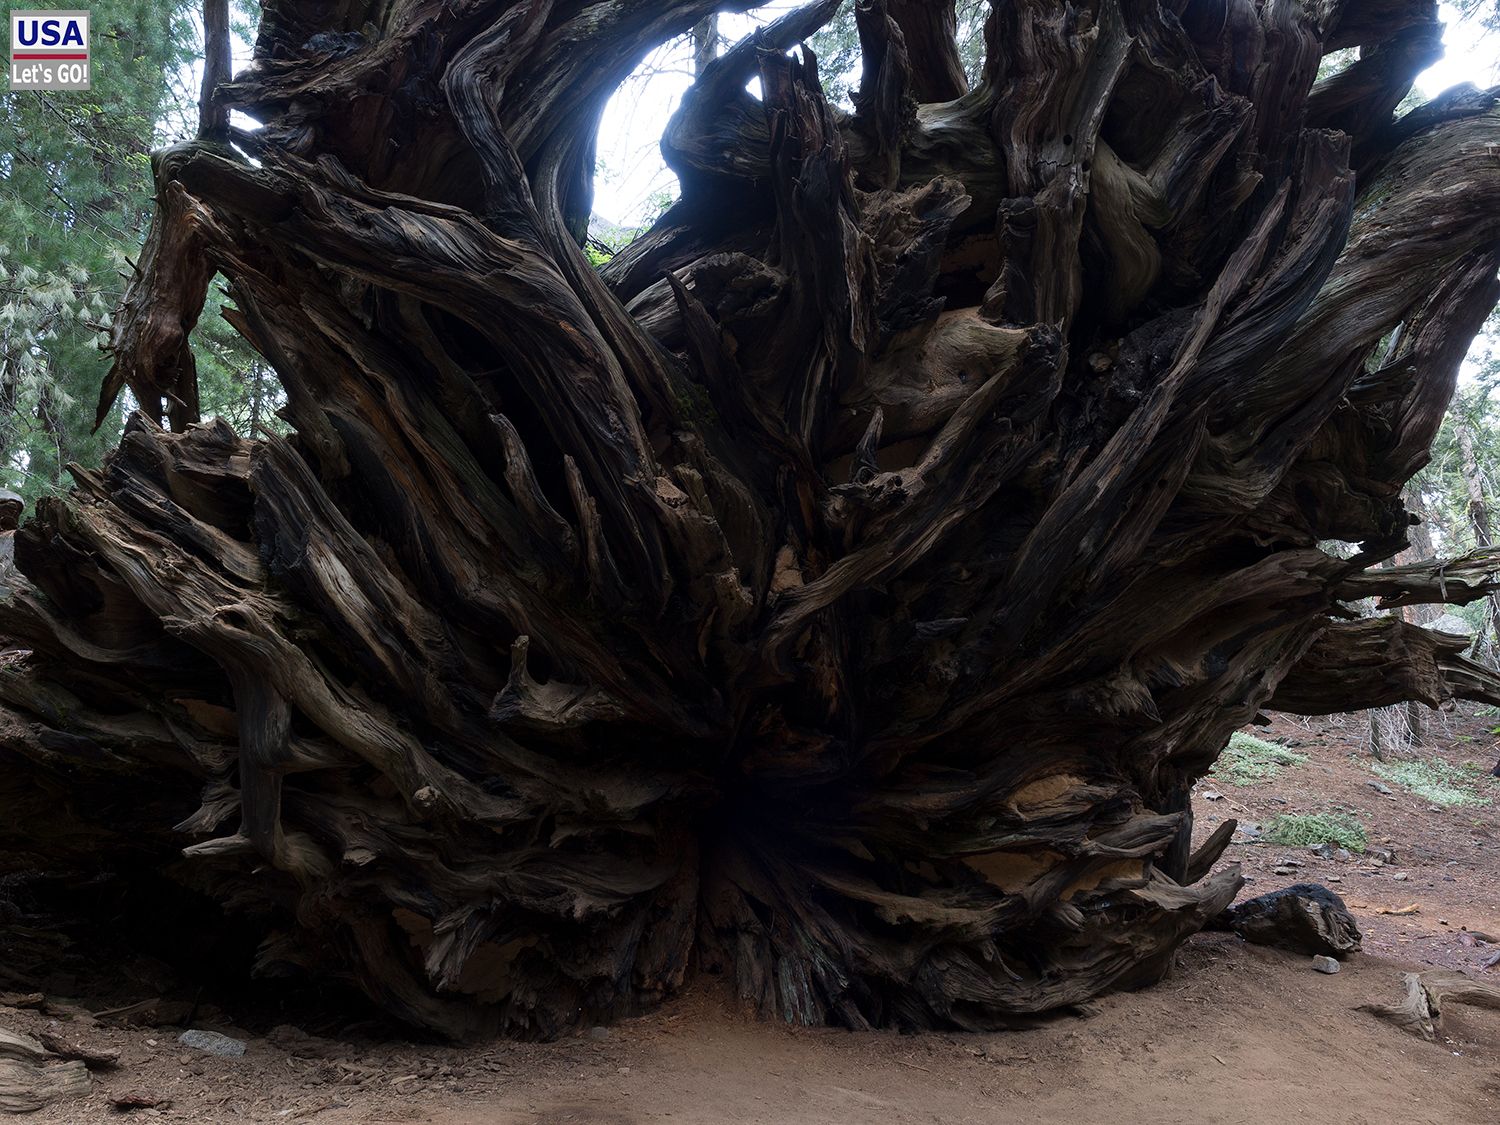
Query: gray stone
(1330, 851)
(1379, 787)
(1325, 964)
(212, 1042)
(1383, 854)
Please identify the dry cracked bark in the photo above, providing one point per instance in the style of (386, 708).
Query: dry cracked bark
(842, 588)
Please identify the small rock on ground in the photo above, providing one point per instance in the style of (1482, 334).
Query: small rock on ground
(1328, 851)
(212, 1042)
(1325, 964)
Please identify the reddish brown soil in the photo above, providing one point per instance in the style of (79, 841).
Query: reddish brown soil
(1450, 857)
(1236, 1034)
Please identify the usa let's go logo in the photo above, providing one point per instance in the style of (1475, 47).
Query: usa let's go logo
(49, 51)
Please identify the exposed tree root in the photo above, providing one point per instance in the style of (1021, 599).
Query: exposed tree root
(842, 589)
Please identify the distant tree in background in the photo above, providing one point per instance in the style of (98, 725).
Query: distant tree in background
(1453, 499)
(1457, 490)
(75, 198)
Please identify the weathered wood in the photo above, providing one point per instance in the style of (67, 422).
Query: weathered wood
(1202, 860)
(32, 1077)
(93, 1057)
(1378, 661)
(1425, 993)
(929, 29)
(1429, 582)
(842, 588)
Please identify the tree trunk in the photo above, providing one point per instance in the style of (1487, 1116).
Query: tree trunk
(705, 43)
(256, 377)
(49, 418)
(1422, 548)
(1488, 641)
(213, 115)
(10, 387)
(1397, 731)
(842, 589)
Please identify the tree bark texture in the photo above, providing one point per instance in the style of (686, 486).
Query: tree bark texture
(1479, 520)
(842, 589)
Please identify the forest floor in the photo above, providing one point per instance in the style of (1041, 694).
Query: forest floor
(1236, 1033)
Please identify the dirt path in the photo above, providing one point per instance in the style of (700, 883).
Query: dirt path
(1215, 1045)
(1236, 1034)
(1447, 859)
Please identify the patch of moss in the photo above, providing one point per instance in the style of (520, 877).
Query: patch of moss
(1311, 829)
(1248, 759)
(1438, 781)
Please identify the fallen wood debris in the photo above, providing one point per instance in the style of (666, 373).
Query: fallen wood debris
(32, 1076)
(1422, 1005)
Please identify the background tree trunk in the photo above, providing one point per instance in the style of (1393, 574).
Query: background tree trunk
(1488, 640)
(218, 54)
(1397, 731)
(1421, 549)
(705, 43)
(842, 589)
